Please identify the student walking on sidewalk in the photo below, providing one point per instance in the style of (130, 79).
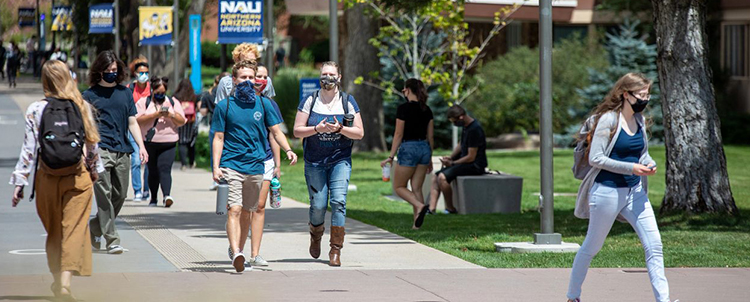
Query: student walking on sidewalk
(189, 131)
(159, 117)
(141, 89)
(242, 123)
(616, 186)
(67, 169)
(328, 121)
(413, 141)
(272, 169)
(115, 111)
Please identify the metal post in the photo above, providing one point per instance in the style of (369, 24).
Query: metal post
(116, 8)
(54, 33)
(176, 41)
(547, 235)
(333, 17)
(269, 35)
(149, 52)
(223, 58)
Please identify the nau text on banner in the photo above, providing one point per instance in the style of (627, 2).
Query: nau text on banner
(240, 21)
(26, 17)
(155, 25)
(101, 19)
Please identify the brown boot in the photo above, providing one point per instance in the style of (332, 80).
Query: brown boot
(316, 233)
(337, 242)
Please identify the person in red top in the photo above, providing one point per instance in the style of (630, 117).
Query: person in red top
(189, 131)
(141, 88)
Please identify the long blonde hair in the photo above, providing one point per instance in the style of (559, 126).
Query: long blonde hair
(58, 83)
(614, 101)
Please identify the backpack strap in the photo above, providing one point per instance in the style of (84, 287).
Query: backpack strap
(38, 149)
(344, 101)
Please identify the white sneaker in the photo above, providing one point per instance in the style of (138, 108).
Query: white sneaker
(96, 243)
(213, 186)
(239, 262)
(138, 197)
(168, 201)
(258, 261)
(115, 249)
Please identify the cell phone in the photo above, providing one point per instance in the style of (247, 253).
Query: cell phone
(653, 167)
(164, 109)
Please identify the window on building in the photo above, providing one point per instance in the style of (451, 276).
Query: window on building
(735, 54)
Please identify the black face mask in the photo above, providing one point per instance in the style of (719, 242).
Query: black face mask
(459, 123)
(640, 104)
(109, 77)
(159, 96)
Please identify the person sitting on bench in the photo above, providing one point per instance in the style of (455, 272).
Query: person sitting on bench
(468, 158)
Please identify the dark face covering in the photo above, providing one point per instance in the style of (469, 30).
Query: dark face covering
(328, 82)
(109, 77)
(640, 104)
(459, 123)
(245, 92)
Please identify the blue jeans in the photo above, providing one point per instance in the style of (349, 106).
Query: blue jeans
(606, 204)
(324, 181)
(135, 168)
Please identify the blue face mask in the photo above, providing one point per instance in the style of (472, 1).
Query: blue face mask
(159, 96)
(245, 92)
(109, 77)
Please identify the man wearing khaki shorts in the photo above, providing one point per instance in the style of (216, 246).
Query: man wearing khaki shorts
(241, 124)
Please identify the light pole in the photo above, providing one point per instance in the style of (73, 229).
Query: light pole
(546, 240)
(148, 48)
(269, 35)
(333, 17)
(176, 41)
(117, 27)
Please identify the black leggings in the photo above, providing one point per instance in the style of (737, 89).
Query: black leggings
(187, 154)
(160, 159)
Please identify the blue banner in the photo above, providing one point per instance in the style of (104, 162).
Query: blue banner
(195, 52)
(308, 86)
(26, 17)
(240, 21)
(101, 19)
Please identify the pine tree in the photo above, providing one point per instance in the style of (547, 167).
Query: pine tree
(628, 52)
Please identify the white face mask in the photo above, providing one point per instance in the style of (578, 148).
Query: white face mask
(142, 78)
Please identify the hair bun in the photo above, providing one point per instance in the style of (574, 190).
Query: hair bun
(165, 79)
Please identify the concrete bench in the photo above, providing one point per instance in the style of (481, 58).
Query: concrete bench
(489, 193)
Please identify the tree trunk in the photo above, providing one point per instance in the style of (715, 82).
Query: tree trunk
(696, 168)
(361, 58)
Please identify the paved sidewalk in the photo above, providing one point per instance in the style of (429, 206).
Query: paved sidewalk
(602, 285)
(179, 254)
(193, 237)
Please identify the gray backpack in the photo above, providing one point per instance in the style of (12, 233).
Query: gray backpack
(581, 165)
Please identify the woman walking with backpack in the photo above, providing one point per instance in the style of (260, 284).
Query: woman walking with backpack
(68, 165)
(413, 141)
(328, 121)
(616, 186)
(159, 117)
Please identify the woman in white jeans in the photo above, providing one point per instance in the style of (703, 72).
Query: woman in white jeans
(616, 186)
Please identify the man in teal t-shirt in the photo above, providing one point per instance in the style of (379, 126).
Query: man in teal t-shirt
(241, 123)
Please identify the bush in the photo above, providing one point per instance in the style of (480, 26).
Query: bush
(286, 84)
(510, 87)
(211, 54)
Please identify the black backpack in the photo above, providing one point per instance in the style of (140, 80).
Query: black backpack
(61, 136)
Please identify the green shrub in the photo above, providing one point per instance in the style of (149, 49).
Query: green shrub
(510, 87)
(286, 84)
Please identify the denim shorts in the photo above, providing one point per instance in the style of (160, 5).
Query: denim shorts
(413, 153)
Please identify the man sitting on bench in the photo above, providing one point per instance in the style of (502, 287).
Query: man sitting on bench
(468, 158)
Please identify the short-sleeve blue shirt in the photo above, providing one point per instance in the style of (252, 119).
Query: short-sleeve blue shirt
(269, 152)
(245, 133)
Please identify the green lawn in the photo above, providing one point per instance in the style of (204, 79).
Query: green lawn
(689, 241)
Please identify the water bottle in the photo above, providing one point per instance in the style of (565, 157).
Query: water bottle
(387, 172)
(222, 197)
(275, 193)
